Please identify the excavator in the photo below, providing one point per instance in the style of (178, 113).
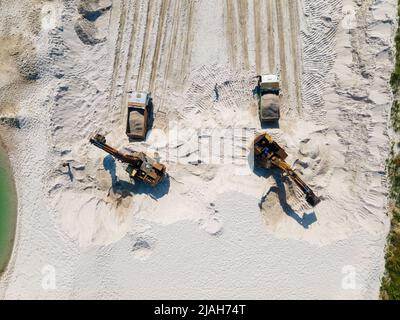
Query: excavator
(140, 166)
(268, 153)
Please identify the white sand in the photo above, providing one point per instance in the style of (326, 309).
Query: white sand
(201, 234)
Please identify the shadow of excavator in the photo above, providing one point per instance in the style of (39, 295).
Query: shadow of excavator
(306, 220)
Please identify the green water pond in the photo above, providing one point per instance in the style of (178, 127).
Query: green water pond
(8, 210)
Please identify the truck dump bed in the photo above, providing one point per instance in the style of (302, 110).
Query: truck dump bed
(137, 115)
(136, 124)
(269, 107)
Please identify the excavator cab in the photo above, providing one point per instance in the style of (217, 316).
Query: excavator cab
(266, 147)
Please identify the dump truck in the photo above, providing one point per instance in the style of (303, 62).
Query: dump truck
(268, 98)
(138, 115)
(268, 153)
(140, 166)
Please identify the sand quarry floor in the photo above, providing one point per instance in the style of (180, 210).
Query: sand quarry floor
(213, 228)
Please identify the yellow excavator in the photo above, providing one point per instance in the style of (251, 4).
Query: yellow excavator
(268, 153)
(140, 166)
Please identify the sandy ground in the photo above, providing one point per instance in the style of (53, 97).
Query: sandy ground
(213, 229)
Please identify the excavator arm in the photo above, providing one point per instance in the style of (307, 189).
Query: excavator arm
(100, 142)
(311, 198)
(267, 152)
(139, 165)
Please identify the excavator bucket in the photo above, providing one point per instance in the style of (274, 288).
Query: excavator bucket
(98, 138)
(312, 199)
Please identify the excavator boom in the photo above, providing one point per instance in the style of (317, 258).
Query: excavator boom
(114, 152)
(139, 165)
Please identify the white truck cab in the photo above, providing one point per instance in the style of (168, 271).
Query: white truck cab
(269, 81)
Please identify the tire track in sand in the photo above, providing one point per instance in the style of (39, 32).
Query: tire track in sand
(170, 53)
(271, 39)
(132, 43)
(257, 26)
(142, 66)
(282, 50)
(156, 56)
(231, 30)
(188, 42)
(173, 40)
(128, 68)
(243, 10)
(296, 56)
(117, 51)
(319, 54)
